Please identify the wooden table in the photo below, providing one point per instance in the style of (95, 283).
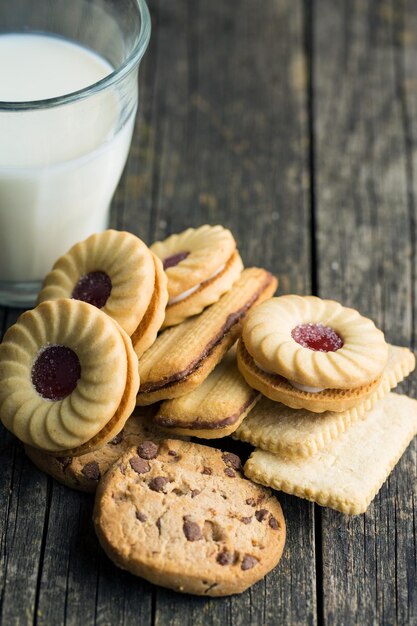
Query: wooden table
(295, 124)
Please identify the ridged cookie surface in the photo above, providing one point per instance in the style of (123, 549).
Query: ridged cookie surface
(145, 334)
(181, 516)
(347, 474)
(294, 433)
(83, 472)
(193, 256)
(194, 300)
(57, 343)
(85, 270)
(269, 336)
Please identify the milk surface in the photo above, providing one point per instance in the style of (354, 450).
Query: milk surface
(58, 166)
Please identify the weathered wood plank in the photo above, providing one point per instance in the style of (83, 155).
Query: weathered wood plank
(232, 147)
(23, 502)
(77, 582)
(364, 248)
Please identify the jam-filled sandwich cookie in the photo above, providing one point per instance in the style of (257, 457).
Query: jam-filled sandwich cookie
(182, 516)
(311, 353)
(68, 377)
(116, 272)
(83, 472)
(201, 265)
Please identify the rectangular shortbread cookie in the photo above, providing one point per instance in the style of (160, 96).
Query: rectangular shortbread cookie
(276, 428)
(348, 474)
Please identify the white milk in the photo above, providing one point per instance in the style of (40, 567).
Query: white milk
(58, 166)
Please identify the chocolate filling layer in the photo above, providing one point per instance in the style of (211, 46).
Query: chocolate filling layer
(199, 424)
(231, 320)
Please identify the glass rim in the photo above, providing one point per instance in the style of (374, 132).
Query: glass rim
(115, 76)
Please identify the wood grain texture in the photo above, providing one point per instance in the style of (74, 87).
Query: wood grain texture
(231, 95)
(230, 126)
(364, 259)
(221, 136)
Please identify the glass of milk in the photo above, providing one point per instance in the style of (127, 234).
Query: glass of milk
(68, 98)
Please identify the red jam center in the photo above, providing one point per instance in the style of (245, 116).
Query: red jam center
(173, 260)
(317, 337)
(55, 372)
(93, 288)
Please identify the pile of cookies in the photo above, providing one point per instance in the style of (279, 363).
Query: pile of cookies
(133, 350)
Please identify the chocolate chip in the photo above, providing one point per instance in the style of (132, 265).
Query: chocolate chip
(117, 439)
(261, 514)
(172, 453)
(139, 465)
(64, 461)
(158, 524)
(158, 483)
(195, 492)
(141, 516)
(232, 460)
(225, 558)
(251, 501)
(229, 472)
(207, 470)
(191, 530)
(248, 562)
(273, 523)
(246, 520)
(148, 450)
(91, 471)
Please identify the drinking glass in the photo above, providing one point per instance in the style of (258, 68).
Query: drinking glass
(61, 158)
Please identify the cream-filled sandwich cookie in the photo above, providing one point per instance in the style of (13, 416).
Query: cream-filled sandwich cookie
(68, 377)
(311, 353)
(201, 265)
(294, 433)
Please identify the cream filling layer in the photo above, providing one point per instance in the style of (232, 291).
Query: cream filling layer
(298, 386)
(192, 290)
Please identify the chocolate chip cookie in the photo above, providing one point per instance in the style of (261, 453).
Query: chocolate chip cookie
(182, 516)
(83, 472)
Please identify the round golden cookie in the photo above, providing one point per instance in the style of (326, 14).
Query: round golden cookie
(315, 343)
(68, 377)
(146, 333)
(201, 264)
(181, 515)
(84, 472)
(113, 270)
(278, 389)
